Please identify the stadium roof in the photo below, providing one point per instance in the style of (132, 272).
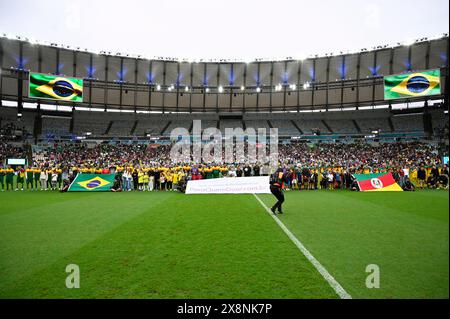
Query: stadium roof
(243, 30)
(134, 83)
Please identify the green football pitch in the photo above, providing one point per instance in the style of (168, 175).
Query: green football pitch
(172, 245)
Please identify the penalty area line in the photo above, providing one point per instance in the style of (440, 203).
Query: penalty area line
(321, 269)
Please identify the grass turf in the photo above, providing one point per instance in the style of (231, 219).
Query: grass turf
(171, 245)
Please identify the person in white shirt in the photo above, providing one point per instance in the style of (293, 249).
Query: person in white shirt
(330, 178)
(44, 178)
(54, 180)
(151, 182)
(127, 177)
(232, 171)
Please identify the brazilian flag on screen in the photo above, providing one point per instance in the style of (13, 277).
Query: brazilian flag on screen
(43, 86)
(412, 84)
(92, 183)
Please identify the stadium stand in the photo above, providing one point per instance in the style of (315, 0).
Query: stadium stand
(257, 124)
(27, 121)
(150, 126)
(109, 125)
(121, 127)
(342, 126)
(376, 124)
(182, 123)
(136, 94)
(209, 123)
(312, 126)
(142, 112)
(285, 127)
(85, 122)
(8, 114)
(229, 124)
(408, 123)
(346, 155)
(439, 120)
(55, 125)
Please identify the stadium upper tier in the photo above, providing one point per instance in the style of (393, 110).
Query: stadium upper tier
(116, 81)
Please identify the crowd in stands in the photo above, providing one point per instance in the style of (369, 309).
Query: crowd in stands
(442, 132)
(148, 166)
(9, 150)
(354, 155)
(12, 131)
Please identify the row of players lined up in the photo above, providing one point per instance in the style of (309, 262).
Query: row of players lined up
(168, 177)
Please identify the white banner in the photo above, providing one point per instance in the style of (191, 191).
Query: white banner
(230, 185)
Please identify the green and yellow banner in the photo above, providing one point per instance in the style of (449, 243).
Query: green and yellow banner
(412, 84)
(92, 183)
(43, 86)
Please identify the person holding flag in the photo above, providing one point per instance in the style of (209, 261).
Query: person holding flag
(277, 181)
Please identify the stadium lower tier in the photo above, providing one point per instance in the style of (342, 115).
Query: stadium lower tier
(303, 154)
(53, 125)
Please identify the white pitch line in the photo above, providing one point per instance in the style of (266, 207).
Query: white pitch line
(321, 269)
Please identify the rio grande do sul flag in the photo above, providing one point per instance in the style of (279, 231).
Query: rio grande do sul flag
(377, 182)
(92, 183)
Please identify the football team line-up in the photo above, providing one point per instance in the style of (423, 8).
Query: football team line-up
(175, 178)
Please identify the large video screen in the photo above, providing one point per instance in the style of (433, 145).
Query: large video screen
(53, 87)
(412, 84)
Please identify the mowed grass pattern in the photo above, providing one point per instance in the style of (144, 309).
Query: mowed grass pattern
(405, 234)
(171, 245)
(149, 245)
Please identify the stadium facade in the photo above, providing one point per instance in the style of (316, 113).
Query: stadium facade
(155, 95)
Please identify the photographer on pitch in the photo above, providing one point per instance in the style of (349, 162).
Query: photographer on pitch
(277, 181)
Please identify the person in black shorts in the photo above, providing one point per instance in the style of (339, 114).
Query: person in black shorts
(276, 188)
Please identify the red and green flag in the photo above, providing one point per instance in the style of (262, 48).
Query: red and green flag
(377, 182)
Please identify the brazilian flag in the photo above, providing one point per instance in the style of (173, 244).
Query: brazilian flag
(43, 86)
(92, 183)
(412, 84)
